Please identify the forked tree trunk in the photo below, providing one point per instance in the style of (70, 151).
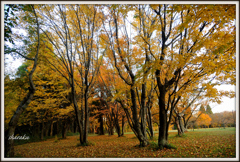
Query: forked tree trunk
(137, 127)
(178, 127)
(149, 120)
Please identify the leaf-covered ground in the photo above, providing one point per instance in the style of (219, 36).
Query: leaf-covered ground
(206, 143)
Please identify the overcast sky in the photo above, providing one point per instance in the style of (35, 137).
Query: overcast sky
(227, 104)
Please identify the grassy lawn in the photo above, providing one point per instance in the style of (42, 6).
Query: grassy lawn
(200, 143)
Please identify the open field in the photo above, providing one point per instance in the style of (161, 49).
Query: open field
(202, 143)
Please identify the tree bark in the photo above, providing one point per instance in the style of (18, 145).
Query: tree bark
(162, 138)
(77, 112)
(178, 126)
(150, 124)
(64, 129)
(136, 126)
(86, 121)
(116, 123)
(42, 130)
(144, 111)
(51, 129)
(123, 125)
(101, 131)
(46, 129)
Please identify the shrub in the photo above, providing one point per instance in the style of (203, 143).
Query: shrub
(56, 138)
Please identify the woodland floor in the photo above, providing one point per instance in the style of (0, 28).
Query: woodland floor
(202, 143)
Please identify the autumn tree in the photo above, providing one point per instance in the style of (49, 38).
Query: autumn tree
(33, 22)
(209, 110)
(51, 101)
(222, 119)
(131, 64)
(107, 84)
(73, 33)
(183, 52)
(202, 109)
(204, 120)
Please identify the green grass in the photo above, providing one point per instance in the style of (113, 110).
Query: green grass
(214, 129)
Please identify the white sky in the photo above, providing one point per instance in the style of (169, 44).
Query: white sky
(228, 104)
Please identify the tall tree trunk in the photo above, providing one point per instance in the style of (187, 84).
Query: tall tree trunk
(74, 126)
(51, 129)
(64, 129)
(101, 131)
(162, 138)
(86, 121)
(46, 129)
(111, 130)
(123, 125)
(116, 123)
(183, 128)
(137, 127)
(144, 111)
(178, 126)
(150, 124)
(77, 112)
(42, 130)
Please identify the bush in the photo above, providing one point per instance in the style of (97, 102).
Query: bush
(56, 138)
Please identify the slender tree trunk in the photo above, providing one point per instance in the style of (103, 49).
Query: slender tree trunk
(77, 112)
(64, 129)
(149, 120)
(57, 127)
(51, 129)
(111, 123)
(42, 130)
(46, 129)
(34, 131)
(101, 131)
(86, 121)
(144, 111)
(123, 125)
